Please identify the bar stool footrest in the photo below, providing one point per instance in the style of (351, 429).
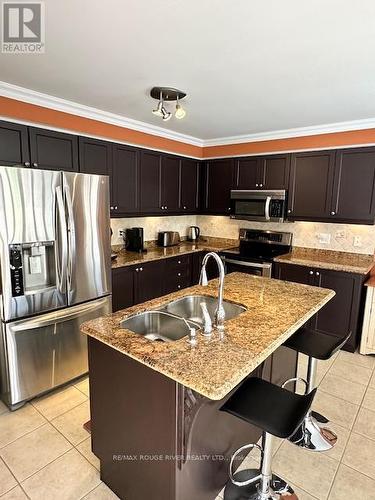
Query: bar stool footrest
(280, 488)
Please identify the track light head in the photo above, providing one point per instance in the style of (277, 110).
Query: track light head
(180, 112)
(168, 94)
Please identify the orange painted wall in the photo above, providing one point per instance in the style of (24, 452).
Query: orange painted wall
(44, 116)
(337, 139)
(13, 109)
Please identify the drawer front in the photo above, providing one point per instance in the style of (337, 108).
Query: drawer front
(176, 263)
(173, 284)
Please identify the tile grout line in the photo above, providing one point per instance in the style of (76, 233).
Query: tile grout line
(347, 443)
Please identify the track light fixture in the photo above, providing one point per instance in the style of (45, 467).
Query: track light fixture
(168, 94)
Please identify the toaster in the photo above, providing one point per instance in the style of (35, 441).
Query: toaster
(168, 238)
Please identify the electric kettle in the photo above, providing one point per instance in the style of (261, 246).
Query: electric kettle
(193, 233)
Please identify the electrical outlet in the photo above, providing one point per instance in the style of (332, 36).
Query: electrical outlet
(324, 238)
(357, 241)
(340, 234)
(119, 233)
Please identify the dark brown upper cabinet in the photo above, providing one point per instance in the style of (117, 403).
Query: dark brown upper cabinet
(218, 183)
(353, 187)
(53, 150)
(263, 172)
(189, 186)
(95, 157)
(150, 183)
(14, 144)
(125, 180)
(170, 183)
(310, 185)
(247, 173)
(274, 171)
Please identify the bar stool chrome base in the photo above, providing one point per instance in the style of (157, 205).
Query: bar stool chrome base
(313, 434)
(279, 489)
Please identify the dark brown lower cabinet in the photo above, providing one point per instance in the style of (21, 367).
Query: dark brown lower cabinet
(122, 288)
(148, 281)
(146, 429)
(343, 313)
(178, 271)
(136, 284)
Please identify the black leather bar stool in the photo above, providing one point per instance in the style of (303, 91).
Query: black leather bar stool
(277, 412)
(313, 434)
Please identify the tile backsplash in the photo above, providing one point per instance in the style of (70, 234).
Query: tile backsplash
(342, 237)
(151, 226)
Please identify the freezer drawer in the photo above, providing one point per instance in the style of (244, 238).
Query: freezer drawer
(44, 352)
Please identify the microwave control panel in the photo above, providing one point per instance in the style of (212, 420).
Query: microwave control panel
(16, 270)
(277, 209)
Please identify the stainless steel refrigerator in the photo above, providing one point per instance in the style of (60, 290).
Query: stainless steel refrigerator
(55, 274)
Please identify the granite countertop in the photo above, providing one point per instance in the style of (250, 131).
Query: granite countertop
(275, 310)
(329, 259)
(125, 258)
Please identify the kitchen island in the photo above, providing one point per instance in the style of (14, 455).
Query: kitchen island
(156, 424)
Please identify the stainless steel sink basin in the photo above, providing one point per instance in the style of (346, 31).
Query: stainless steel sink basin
(158, 325)
(189, 308)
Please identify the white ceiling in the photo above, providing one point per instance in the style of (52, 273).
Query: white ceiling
(248, 66)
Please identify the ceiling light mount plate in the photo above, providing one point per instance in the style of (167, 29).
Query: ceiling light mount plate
(168, 93)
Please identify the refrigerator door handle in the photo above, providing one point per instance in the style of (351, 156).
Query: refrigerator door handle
(62, 244)
(71, 236)
(58, 316)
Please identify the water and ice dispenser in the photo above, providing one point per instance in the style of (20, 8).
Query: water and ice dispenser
(32, 267)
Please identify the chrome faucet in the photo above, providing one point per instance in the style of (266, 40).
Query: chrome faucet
(219, 313)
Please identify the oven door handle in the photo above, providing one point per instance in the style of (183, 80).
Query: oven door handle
(247, 264)
(267, 208)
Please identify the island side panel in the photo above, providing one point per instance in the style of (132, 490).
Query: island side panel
(137, 411)
(133, 417)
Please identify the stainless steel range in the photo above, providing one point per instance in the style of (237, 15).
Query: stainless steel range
(256, 252)
(55, 274)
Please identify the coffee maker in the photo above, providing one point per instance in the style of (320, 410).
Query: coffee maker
(133, 238)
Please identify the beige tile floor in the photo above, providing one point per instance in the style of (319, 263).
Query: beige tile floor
(346, 396)
(45, 453)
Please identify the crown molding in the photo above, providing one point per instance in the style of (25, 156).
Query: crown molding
(329, 128)
(47, 101)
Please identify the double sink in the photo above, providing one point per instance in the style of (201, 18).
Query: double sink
(173, 321)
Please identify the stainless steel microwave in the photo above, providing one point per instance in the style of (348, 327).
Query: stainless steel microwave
(258, 205)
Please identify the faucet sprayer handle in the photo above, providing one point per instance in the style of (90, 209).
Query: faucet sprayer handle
(207, 319)
(203, 277)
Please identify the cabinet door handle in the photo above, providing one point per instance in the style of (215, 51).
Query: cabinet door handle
(27, 164)
(289, 211)
(116, 208)
(35, 164)
(112, 208)
(318, 274)
(311, 272)
(333, 213)
(261, 185)
(178, 274)
(179, 262)
(141, 268)
(256, 185)
(178, 286)
(137, 269)
(184, 207)
(166, 208)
